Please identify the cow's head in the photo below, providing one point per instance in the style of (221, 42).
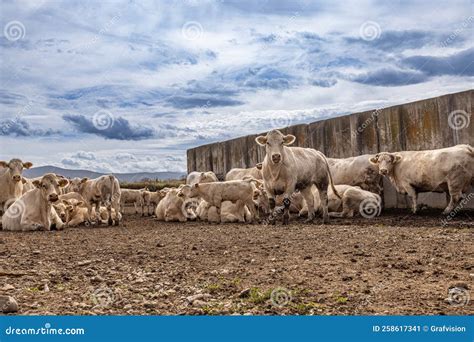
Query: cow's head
(385, 162)
(15, 168)
(274, 143)
(49, 185)
(77, 183)
(62, 209)
(207, 177)
(189, 191)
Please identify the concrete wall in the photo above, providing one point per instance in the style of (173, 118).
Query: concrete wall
(417, 125)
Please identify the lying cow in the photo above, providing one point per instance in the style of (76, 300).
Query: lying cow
(449, 170)
(239, 192)
(356, 171)
(287, 169)
(236, 174)
(102, 190)
(201, 177)
(172, 207)
(33, 210)
(353, 201)
(11, 185)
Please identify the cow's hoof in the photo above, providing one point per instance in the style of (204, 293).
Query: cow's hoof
(116, 223)
(110, 221)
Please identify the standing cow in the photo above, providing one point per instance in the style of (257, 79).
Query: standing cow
(11, 185)
(449, 170)
(286, 169)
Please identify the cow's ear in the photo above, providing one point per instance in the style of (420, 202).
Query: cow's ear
(27, 165)
(23, 180)
(37, 183)
(289, 139)
(397, 158)
(85, 179)
(63, 182)
(259, 166)
(3, 163)
(261, 140)
(65, 202)
(79, 203)
(374, 160)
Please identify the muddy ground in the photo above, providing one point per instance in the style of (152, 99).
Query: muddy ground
(394, 264)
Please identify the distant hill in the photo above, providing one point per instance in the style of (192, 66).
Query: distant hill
(123, 177)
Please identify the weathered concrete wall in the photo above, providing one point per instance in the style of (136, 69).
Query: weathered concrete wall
(427, 124)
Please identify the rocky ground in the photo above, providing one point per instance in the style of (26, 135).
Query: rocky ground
(394, 264)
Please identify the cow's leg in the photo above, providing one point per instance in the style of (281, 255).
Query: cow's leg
(323, 197)
(309, 199)
(286, 208)
(413, 195)
(27, 224)
(254, 215)
(455, 194)
(110, 221)
(272, 204)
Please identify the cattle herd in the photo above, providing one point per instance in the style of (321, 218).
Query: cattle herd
(289, 180)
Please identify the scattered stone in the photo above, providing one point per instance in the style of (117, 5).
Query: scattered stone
(7, 287)
(244, 293)
(8, 304)
(84, 262)
(97, 279)
(307, 257)
(36, 252)
(199, 303)
(159, 244)
(199, 296)
(347, 278)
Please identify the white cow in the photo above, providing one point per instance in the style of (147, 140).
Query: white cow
(286, 169)
(151, 200)
(201, 177)
(11, 185)
(172, 207)
(102, 190)
(238, 191)
(128, 196)
(33, 210)
(449, 170)
(236, 173)
(353, 201)
(356, 171)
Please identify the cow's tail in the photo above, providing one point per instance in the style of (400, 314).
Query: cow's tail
(330, 175)
(112, 190)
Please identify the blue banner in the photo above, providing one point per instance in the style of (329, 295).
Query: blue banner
(237, 328)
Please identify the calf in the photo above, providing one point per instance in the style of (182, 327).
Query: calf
(132, 196)
(449, 170)
(238, 191)
(172, 207)
(101, 190)
(11, 185)
(33, 210)
(151, 200)
(286, 169)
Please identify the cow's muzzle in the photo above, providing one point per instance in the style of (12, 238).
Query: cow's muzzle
(53, 197)
(16, 178)
(384, 172)
(276, 158)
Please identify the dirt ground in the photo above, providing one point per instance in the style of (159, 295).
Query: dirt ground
(394, 264)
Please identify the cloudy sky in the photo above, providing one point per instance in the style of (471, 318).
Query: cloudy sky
(126, 86)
